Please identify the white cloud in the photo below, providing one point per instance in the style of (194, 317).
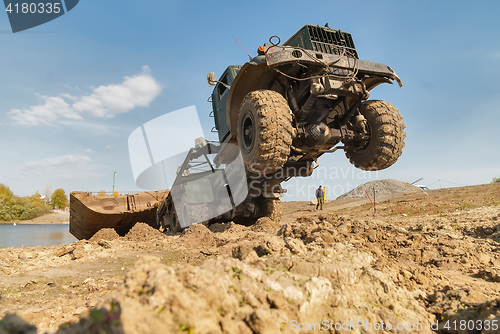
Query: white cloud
(70, 172)
(104, 101)
(52, 108)
(62, 168)
(68, 96)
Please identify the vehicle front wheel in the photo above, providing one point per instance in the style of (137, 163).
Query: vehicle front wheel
(264, 131)
(383, 141)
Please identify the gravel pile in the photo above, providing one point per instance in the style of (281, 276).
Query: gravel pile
(143, 232)
(105, 234)
(382, 187)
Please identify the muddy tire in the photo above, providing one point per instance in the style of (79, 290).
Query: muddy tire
(264, 131)
(173, 222)
(272, 209)
(386, 137)
(170, 219)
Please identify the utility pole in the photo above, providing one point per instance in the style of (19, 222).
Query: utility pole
(114, 177)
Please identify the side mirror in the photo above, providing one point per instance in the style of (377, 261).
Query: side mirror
(211, 79)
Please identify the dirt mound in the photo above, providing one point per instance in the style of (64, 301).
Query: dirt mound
(196, 230)
(105, 234)
(236, 228)
(424, 257)
(265, 224)
(382, 187)
(228, 228)
(198, 235)
(11, 323)
(467, 304)
(231, 296)
(219, 227)
(143, 232)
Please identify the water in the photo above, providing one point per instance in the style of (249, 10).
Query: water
(35, 235)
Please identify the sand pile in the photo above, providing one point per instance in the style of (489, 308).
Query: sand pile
(382, 187)
(143, 232)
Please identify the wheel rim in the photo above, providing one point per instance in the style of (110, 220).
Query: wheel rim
(247, 132)
(362, 146)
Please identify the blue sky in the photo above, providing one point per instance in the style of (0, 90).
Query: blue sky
(141, 59)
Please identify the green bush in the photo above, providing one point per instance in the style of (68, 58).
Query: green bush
(31, 213)
(5, 192)
(20, 208)
(496, 179)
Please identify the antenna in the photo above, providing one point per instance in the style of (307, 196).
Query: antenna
(242, 48)
(420, 179)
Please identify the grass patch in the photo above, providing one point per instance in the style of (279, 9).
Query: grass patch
(417, 210)
(169, 258)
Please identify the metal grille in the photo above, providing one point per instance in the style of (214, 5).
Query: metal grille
(331, 41)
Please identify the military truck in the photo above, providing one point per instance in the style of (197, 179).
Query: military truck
(284, 109)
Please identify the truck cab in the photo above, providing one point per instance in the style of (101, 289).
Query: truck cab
(219, 100)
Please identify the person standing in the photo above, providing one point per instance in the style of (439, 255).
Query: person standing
(320, 197)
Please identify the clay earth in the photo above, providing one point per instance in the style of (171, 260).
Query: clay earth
(425, 262)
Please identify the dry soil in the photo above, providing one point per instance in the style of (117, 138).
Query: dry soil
(424, 262)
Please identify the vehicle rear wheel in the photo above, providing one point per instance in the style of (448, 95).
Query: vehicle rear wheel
(385, 142)
(271, 208)
(264, 131)
(170, 218)
(173, 223)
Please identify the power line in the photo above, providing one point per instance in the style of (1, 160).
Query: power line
(458, 184)
(439, 180)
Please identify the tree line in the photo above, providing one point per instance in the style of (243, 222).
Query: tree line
(14, 207)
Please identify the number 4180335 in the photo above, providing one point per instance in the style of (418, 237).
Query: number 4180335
(33, 8)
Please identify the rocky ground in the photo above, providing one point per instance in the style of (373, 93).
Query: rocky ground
(424, 262)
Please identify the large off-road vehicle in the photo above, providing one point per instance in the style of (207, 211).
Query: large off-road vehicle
(275, 116)
(288, 106)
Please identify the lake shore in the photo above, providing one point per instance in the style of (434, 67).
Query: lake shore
(56, 217)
